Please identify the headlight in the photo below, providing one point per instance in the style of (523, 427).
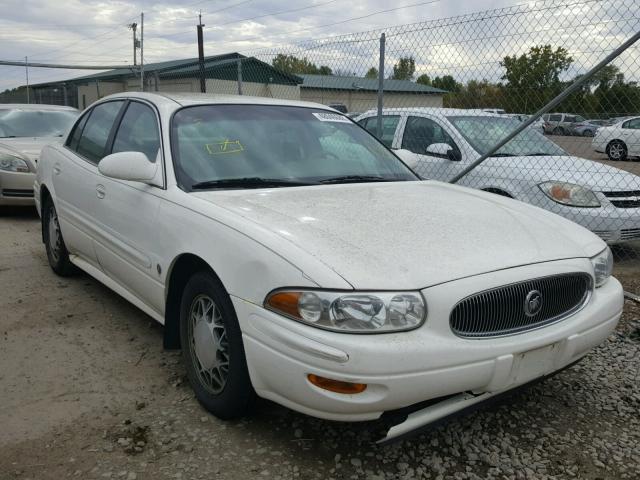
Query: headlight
(602, 266)
(10, 163)
(570, 194)
(351, 312)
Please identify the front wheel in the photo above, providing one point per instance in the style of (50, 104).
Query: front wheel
(617, 150)
(57, 253)
(212, 348)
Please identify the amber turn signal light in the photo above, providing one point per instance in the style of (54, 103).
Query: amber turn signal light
(336, 386)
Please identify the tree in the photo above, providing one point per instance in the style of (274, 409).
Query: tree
(540, 68)
(292, 64)
(424, 79)
(446, 82)
(372, 73)
(404, 69)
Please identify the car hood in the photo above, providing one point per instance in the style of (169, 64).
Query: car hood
(29, 147)
(563, 168)
(405, 235)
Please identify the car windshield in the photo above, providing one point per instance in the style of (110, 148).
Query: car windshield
(224, 146)
(17, 122)
(483, 132)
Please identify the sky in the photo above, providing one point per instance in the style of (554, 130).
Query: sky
(96, 32)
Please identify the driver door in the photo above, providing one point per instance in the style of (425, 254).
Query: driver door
(422, 147)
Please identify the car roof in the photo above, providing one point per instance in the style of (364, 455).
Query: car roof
(34, 106)
(185, 99)
(443, 112)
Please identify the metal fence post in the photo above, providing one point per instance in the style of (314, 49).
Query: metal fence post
(380, 86)
(239, 76)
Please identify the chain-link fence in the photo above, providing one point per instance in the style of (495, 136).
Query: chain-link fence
(451, 89)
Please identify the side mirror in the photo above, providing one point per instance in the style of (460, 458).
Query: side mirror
(132, 166)
(444, 150)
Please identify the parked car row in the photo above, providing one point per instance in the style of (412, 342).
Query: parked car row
(292, 256)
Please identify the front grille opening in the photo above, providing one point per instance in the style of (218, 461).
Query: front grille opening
(501, 311)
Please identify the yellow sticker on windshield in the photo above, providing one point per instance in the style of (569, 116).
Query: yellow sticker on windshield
(225, 146)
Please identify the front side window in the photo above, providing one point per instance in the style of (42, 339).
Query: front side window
(633, 124)
(221, 143)
(138, 132)
(16, 122)
(483, 133)
(421, 132)
(389, 125)
(93, 142)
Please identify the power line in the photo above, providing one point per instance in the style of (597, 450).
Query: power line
(273, 14)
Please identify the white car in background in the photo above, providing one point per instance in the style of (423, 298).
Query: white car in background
(620, 140)
(24, 130)
(294, 257)
(438, 143)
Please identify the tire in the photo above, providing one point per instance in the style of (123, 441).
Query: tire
(57, 253)
(588, 133)
(617, 150)
(558, 131)
(212, 348)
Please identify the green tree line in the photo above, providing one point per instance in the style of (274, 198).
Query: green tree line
(529, 82)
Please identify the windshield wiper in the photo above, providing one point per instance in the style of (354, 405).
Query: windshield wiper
(248, 182)
(504, 155)
(357, 179)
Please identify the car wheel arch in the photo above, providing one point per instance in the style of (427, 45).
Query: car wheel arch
(181, 269)
(498, 191)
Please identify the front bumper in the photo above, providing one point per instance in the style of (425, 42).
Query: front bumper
(402, 369)
(16, 188)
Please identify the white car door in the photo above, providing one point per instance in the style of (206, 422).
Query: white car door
(630, 133)
(126, 211)
(429, 149)
(74, 178)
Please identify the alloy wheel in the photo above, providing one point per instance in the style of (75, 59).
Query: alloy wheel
(55, 237)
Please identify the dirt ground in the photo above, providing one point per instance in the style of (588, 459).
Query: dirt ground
(86, 391)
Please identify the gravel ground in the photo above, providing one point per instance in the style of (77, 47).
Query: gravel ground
(87, 392)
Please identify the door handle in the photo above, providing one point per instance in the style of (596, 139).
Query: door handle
(100, 191)
(56, 169)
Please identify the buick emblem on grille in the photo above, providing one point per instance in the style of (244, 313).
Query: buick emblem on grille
(533, 303)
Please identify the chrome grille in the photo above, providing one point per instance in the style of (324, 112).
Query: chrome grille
(501, 311)
(624, 199)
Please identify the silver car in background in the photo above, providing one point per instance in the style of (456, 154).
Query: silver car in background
(24, 130)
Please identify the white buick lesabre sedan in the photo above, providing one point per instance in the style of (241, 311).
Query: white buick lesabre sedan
(292, 256)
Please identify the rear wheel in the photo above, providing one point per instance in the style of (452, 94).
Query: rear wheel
(617, 150)
(558, 131)
(57, 253)
(212, 348)
(588, 133)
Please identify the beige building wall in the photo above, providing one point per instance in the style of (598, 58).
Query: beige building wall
(357, 101)
(87, 94)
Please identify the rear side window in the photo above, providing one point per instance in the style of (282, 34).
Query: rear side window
(72, 142)
(138, 132)
(389, 125)
(555, 118)
(95, 135)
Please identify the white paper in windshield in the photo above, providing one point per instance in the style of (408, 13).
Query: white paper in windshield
(330, 117)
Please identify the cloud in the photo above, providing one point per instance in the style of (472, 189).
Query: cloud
(471, 46)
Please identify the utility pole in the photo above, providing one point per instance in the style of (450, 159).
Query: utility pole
(26, 67)
(136, 43)
(203, 83)
(142, 52)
